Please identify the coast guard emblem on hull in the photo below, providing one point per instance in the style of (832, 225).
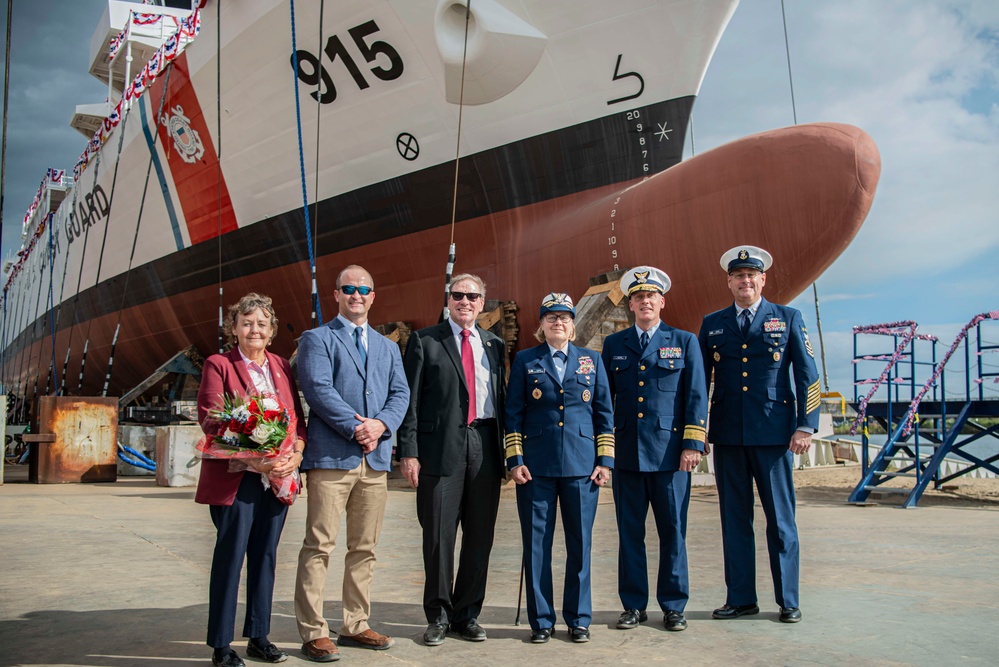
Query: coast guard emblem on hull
(185, 138)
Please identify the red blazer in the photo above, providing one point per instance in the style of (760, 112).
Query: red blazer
(226, 373)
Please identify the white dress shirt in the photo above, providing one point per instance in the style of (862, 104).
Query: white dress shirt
(484, 407)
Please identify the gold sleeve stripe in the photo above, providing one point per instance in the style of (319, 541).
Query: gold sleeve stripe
(605, 450)
(814, 398)
(514, 439)
(694, 433)
(514, 450)
(605, 439)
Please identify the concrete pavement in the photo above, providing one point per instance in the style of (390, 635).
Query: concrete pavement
(117, 575)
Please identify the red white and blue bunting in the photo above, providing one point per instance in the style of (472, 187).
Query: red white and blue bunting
(189, 29)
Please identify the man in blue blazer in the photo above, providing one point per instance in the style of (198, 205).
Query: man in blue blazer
(753, 346)
(354, 383)
(660, 411)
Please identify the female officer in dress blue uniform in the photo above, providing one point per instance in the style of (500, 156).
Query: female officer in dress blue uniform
(559, 449)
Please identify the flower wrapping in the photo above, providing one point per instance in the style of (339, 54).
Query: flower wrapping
(253, 430)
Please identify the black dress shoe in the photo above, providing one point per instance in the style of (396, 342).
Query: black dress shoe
(541, 636)
(729, 611)
(434, 636)
(631, 618)
(674, 620)
(230, 659)
(579, 635)
(790, 614)
(470, 631)
(268, 653)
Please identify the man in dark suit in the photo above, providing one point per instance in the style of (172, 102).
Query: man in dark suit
(752, 347)
(450, 450)
(353, 381)
(660, 410)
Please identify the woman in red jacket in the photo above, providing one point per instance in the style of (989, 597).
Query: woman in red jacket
(247, 515)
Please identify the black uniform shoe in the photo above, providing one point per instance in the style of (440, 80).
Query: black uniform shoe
(674, 620)
(631, 618)
(267, 653)
(228, 659)
(470, 631)
(434, 636)
(541, 636)
(790, 614)
(579, 635)
(728, 611)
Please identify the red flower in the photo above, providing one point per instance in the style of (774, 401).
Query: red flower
(271, 415)
(251, 424)
(254, 408)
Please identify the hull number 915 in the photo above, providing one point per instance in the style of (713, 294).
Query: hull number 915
(311, 71)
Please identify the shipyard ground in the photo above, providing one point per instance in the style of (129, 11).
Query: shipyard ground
(117, 575)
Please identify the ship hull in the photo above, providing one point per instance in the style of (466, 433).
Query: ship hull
(801, 192)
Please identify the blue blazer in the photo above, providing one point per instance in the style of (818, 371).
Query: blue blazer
(753, 403)
(559, 429)
(336, 387)
(660, 397)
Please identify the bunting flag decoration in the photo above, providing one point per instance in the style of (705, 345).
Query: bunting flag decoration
(914, 408)
(907, 330)
(188, 29)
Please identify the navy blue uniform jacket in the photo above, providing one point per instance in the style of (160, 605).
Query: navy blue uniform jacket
(559, 429)
(660, 397)
(753, 403)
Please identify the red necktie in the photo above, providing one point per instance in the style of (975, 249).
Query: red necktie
(468, 363)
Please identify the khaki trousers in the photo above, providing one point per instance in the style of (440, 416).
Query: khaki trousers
(361, 493)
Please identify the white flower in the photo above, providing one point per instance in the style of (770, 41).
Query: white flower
(229, 434)
(241, 413)
(260, 434)
(270, 404)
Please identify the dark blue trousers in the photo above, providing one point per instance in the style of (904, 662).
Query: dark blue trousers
(668, 493)
(536, 504)
(251, 526)
(736, 468)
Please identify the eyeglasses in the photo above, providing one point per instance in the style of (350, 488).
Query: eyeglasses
(471, 296)
(552, 318)
(350, 289)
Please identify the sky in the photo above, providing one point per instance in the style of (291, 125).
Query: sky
(920, 77)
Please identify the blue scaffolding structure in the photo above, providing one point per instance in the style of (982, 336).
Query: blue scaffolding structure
(925, 422)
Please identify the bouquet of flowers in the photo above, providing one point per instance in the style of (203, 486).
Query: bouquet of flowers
(252, 430)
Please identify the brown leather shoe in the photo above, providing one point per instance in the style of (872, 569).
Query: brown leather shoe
(367, 639)
(321, 650)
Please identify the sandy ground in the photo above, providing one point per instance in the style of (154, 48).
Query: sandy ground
(830, 484)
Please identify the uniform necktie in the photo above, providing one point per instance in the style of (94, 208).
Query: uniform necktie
(359, 341)
(560, 359)
(468, 364)
(745, 321)
(645, 339)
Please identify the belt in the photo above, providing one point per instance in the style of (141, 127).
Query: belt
(481, 423)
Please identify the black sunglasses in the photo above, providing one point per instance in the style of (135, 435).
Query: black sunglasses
(471, 296)
(350, 289)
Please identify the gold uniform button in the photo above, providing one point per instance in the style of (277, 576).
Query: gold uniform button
(744, 389)
(561, 391)
(640, 415)
(641, 399)
(745, 374)
(744, 346)
(744, 360)
(561, 407)
(560, 423)
(674, 429)
(641, 368)
(641, 383)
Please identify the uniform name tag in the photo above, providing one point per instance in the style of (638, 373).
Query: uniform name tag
(585, 366)
(535, 371)
(671, 353)
(716, 332)
(621, 358)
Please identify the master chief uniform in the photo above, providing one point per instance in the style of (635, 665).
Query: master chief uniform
(561, 429)
(753, 415)
(660, 408)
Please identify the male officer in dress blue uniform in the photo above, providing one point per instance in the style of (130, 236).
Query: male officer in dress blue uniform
(660, 409)
(752, 347)
(559, 449)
